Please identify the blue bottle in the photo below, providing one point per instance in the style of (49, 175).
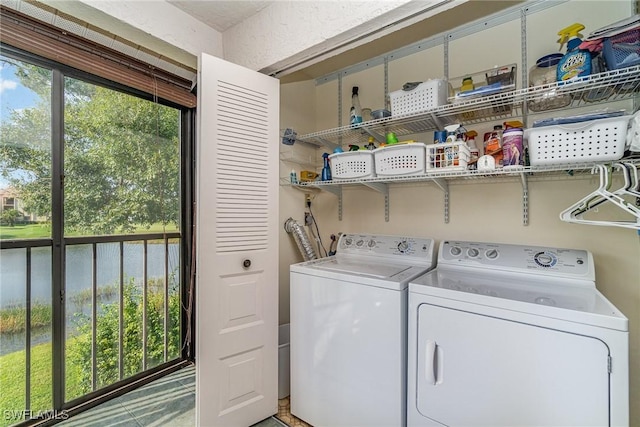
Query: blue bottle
(326, 170)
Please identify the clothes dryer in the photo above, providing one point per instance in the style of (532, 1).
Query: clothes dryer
(348, 330)
(510, 335)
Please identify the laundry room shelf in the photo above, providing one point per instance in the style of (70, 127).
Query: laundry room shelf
(609, 86)
(442, 179)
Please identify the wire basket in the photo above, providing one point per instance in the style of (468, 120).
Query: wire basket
(591, 141)
(622, 50)
(425, 96)
(352, 165)
(400, 160)
(450, 156)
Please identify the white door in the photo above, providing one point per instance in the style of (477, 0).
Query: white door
(476, 370)
(237, 245)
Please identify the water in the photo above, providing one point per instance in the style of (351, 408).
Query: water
(78, 277)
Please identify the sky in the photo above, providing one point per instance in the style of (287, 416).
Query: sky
(12, 94)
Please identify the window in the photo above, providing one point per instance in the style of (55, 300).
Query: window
(101, 207)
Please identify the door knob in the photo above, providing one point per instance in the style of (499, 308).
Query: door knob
(246, 263)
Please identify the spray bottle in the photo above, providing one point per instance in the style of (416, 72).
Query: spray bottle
(356, 111)
(326, 170)
(576, 62)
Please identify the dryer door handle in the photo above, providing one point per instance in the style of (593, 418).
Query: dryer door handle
(433, 363)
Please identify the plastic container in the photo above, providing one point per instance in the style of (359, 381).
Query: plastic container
(425, 96)
(590, 141)
(622, 50)
(493, 144)
(544, 73)
(450, 156)
(352, 165)
(484, 83)
(400, 159)
(512, 148)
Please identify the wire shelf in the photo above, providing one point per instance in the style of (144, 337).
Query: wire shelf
(557, 171)
(609, 86)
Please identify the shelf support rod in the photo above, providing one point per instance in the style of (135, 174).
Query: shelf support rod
(384, 190)
(525, 199)
(444, 186)
(336, 191)
(330, 145)
(375, 135)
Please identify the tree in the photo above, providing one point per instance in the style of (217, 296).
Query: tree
(121, 156)
(9, 217)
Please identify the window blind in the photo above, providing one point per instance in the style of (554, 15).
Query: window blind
(28, 34)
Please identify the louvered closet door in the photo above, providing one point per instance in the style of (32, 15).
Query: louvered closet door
(237, 251)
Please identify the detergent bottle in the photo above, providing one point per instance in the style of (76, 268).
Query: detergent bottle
(576, 62)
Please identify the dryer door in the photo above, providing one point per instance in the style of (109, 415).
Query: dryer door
(476, 370)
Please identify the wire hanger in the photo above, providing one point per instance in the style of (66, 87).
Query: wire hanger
(603, 194)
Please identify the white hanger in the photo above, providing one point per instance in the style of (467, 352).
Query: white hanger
(635, 181)
(603, 195)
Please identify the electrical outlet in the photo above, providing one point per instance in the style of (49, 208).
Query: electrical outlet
(308, 219)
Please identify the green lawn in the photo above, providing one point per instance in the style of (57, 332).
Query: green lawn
(12, 381)
(35, 231)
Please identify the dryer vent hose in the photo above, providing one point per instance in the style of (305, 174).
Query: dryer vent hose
(302, 240)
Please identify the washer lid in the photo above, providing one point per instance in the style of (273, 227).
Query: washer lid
(364, 270)
(559, 299)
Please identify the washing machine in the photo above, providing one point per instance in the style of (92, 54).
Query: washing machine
(511, 335)
(348, 326)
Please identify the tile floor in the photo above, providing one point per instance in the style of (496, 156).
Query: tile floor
(169, 401)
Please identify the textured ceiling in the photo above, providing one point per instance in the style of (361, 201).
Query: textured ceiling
(220, 15)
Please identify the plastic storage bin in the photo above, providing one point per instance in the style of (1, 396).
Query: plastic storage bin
(484, 83)
(591, 141)
(352, 165)
(622, 50)
(450, 156)
(425, 96)
(400, 160)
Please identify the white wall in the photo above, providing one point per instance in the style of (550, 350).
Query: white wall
(482, 210)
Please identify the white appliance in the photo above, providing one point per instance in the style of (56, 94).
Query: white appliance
(348, 331)
(509, 335)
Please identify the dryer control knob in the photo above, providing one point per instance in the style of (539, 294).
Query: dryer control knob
(492, 254)
(359, 243)
(455, 251)
(403, 246)
(372, 243)
(473, 252)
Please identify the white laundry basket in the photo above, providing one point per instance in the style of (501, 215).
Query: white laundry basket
(284, 378)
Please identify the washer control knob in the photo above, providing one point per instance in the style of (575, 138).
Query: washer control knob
(348, 241)
(473, 252)
(372, 243)
(455, 251)
(545, 259)
(359, 243)
(492, 254)
(403, 246)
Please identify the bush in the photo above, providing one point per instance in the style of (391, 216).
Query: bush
(78, 351)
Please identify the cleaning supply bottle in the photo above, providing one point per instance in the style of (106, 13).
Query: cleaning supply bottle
(356, 111)
(576, 62)
(326, 170)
